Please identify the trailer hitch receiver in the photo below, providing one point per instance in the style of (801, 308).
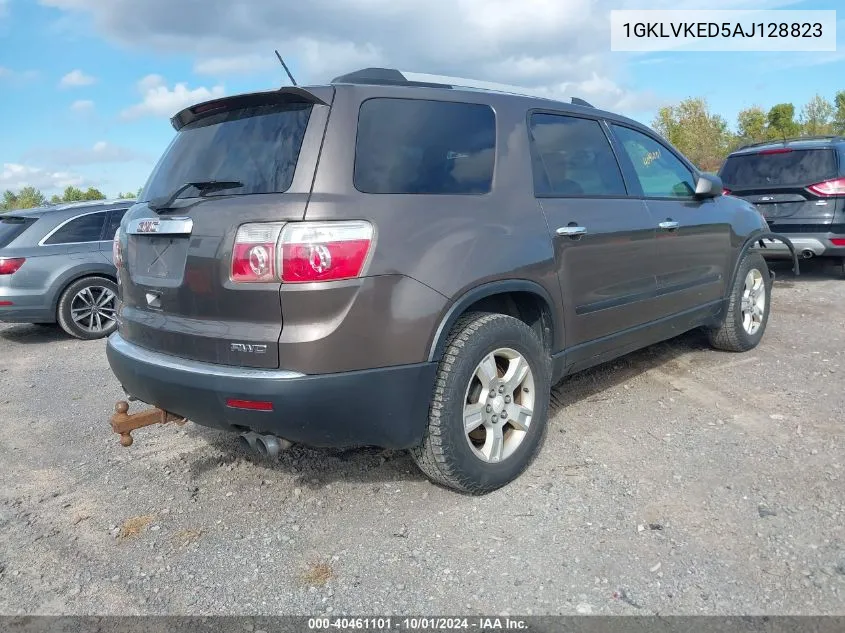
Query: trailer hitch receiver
(123, 422)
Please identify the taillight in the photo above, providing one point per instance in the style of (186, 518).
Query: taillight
(10, 265)
(255, 253)
(324, 251)
(726, 192)
(116, 251)
(835, 187)
(838, 241)
(300, 252)
(780, 150)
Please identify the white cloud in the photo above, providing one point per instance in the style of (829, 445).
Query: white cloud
(10, 74)
(548, 44)
(159, 100)
(76, 78)
(82, 105)
(101, 152)
(235, 65)
(14, 177)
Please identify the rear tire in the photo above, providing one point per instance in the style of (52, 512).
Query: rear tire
(748, 307)
(87, 308)
(490, 405)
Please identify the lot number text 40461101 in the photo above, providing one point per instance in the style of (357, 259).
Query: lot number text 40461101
(417, 624)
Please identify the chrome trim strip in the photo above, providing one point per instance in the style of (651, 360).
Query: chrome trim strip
(165, 361)
(164, 226)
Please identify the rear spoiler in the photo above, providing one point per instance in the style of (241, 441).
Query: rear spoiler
(283, 95)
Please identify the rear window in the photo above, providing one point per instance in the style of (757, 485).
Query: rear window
(792, 168)
(11, 227)
(258, 146)
(424, 147)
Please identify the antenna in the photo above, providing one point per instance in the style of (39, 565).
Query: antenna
(285, 66)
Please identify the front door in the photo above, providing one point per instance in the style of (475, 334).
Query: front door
(604, 240)
(693, 234)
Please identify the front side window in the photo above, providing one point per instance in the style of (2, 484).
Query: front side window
(257, 146)
(660, 173)
(414, 146)
(572, 157)
(86, 228)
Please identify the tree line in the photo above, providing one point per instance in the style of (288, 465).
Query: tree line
(707, 139)
(30, 197)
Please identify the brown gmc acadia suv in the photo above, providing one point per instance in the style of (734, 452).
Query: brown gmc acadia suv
(413, 265)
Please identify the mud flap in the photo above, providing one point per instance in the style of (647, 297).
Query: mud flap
(778, 238)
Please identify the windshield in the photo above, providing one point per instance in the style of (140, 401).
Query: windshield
(791, 168)
(11, 227)
(258, 146)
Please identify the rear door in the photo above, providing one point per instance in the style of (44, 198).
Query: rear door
(177, 291)
(604, 240)
(693, 235)
(786, 184)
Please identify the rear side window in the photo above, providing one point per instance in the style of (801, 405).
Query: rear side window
(11, 228)
(85, 228)
(572, 157)
(115, 216)
(424, 147)
(660, 173)
(800, 167)
(257, 146)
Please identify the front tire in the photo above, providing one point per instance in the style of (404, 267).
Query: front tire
(748, 307)
(490, 406)
(88, 308)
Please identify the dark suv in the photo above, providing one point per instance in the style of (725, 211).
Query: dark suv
(799, 187)
(413, 265)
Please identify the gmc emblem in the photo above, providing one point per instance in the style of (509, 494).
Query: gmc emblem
(148, 226)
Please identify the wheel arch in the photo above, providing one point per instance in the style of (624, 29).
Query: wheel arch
(520, 298)
(755, 237)
(66, 280)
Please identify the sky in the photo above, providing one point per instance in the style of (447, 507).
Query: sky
(87, 87)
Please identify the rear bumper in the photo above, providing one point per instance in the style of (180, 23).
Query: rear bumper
(818, 244)
(385, 407)
(26, 307)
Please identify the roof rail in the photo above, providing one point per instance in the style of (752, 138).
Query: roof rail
(793, 139)
(394, 77)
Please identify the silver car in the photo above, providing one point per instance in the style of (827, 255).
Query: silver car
(56, 266)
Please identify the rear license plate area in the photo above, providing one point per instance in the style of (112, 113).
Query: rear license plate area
(157, 260)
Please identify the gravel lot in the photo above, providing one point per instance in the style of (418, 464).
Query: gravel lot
(677, 480)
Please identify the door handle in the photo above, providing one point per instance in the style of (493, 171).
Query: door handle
(571, 231)
(669, 225)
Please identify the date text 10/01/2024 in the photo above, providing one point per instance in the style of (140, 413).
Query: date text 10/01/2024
(705, 30)
(417, 624)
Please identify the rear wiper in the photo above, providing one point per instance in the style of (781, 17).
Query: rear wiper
(204, 187)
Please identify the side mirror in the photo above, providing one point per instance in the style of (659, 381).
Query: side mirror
(708, 186)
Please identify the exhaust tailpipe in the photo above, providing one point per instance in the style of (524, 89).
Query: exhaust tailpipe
(807, 253)
(248, 441)
(265, 445)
